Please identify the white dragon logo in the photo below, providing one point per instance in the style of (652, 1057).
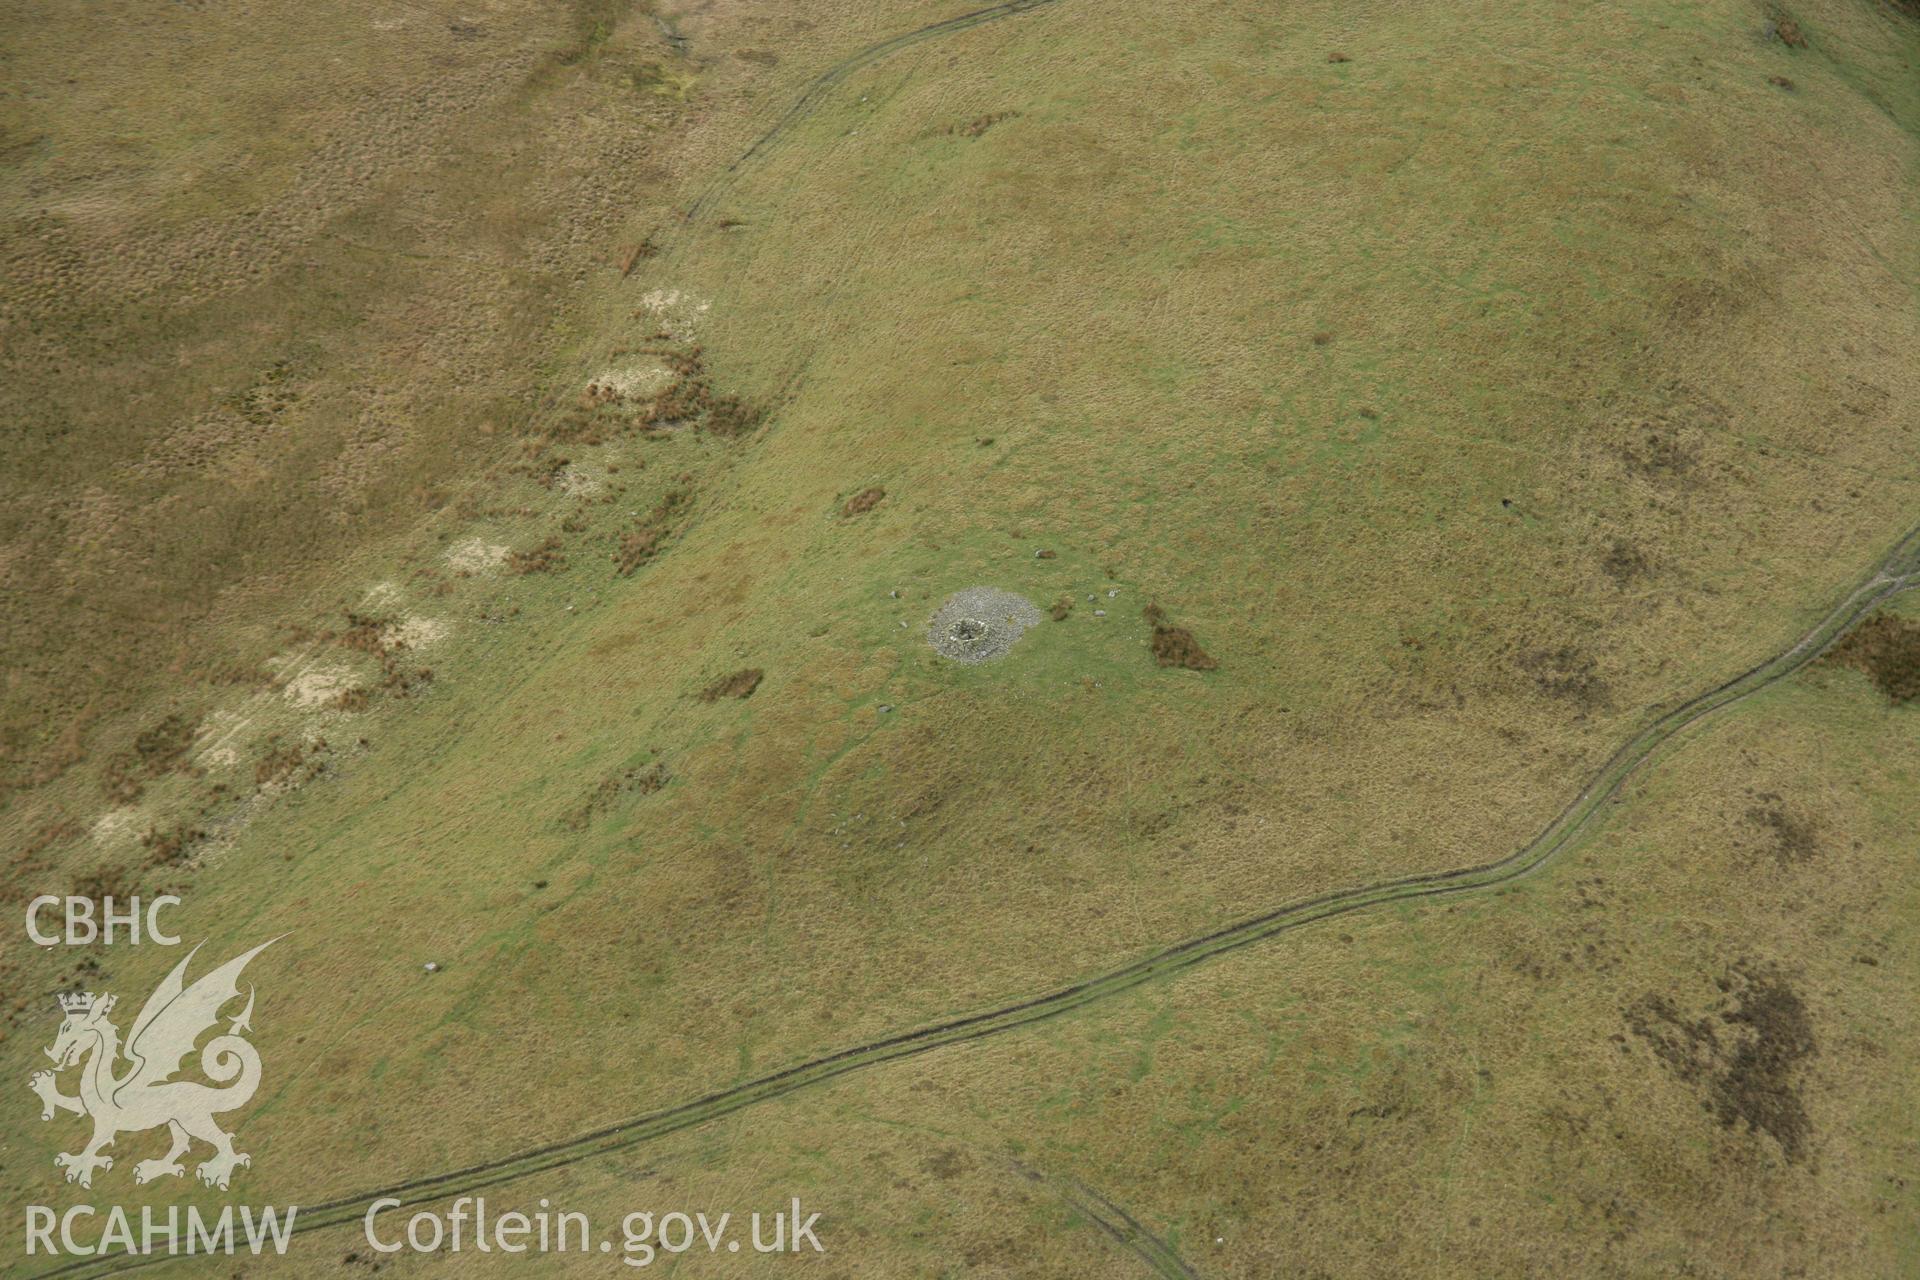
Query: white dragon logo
(144, 1097)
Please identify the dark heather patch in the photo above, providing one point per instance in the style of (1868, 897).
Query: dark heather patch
(947, 1164)
(1886, 649)
(1175, 646)
(1790, 839)
(160, 749)
(1624, 562)
(979, 124)
(1661, 439)
(1659, 455)
(1746, 1059)
(1568, 674)
(740, 684)
(636, 780)
(1686, 1046)
(172, 847)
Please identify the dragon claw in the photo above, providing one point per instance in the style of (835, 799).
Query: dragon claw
(41, 1082)
(147, 1170)
(218, 1171)
(80, 1166)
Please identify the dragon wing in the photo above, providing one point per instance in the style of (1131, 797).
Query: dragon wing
(175, 1015)
(163, 995)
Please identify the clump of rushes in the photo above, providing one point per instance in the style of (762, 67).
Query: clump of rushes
(1175, 646)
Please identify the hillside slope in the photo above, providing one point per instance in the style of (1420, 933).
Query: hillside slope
(1389, 410)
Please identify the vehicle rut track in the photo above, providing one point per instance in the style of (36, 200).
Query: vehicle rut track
(1128, 1232)
(823, 84)
(1896, 572)
(810, 99)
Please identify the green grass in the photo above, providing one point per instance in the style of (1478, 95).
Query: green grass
(1359, 370)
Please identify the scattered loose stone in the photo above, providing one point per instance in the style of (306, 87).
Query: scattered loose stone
(980, 624)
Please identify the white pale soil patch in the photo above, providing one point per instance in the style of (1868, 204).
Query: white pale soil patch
(216, 746)
(118, 826)
(678, 312)
(579, 482)
(381, 593)
(633, 379)
(476, 556)
(319, 686)
(416, 632)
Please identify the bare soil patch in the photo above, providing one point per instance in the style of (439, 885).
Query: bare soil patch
(635, 780)
(740, 684)
(862, 502)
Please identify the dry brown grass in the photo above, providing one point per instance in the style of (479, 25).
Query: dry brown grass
(435, 182)
(637, 254)
(1367, 1096)
(637, 780)
(548, 557)
(641, 545)
(171, 847)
